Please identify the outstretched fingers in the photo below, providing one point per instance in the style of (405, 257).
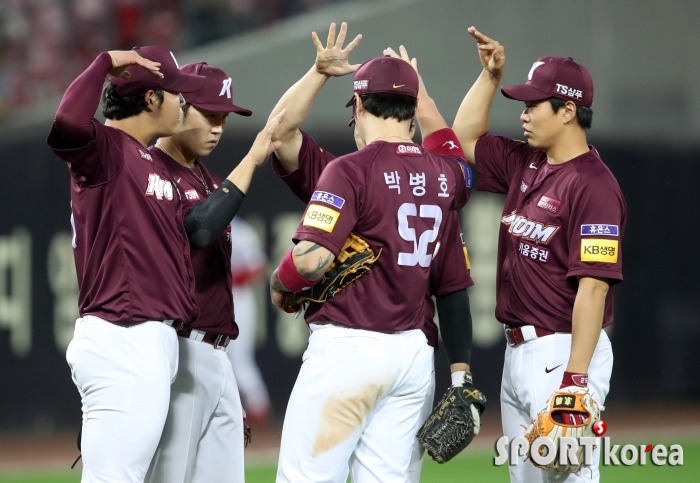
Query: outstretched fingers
(316, 41)
(341, 36)
(351, 46)
(330, 42)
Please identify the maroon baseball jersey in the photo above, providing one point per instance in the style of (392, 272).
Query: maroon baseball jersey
(211, 264)
(131, 249)
(559, 222)
(395, 196)
(449, 272)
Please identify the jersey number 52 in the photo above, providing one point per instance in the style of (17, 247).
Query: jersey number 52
(420, 255)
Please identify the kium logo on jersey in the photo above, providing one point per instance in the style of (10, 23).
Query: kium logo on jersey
(160, 188)
(529, 229)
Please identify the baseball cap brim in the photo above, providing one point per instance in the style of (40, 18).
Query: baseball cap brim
(185, 83)
(222, 108)
(524, 92)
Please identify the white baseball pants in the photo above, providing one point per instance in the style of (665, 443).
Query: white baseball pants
(202, 440)
(241, 352)
(531, 373)
(123, 375)
(357, 404)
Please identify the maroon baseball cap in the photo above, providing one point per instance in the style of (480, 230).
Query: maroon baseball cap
(386, 75)
(216, 95)
(554, 77)
(142, 79)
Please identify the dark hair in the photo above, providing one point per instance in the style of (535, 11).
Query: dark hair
(185, 108)
(584, 115)
(116, 108)
(386, 105)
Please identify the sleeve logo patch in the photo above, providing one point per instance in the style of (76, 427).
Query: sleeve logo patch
(328, 198)
(609, 230)
(320, 217)
(598, 250)
(466, 172)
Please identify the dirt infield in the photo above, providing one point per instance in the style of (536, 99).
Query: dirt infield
(673, 420)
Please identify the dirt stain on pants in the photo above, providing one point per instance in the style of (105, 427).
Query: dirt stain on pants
(341, 416)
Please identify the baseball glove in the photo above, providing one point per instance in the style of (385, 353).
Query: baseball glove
(354, 260)
(453, 423)
(570, 412)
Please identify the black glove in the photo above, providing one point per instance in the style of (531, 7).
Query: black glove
(454, 422)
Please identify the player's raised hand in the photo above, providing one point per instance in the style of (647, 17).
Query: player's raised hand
(414, 63)
(403, 55)
(121, 59)
(263, 145)
(332, 60)
(491, 53)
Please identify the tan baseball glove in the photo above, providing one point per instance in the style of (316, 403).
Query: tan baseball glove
(354, 260)
(570, 412)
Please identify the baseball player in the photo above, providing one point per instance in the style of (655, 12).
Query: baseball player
(559, 249)
(367, 418)
(248, 266)
(300, 162)
(131, 254)
(205, 422)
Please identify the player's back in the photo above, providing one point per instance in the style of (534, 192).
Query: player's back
(395, 196)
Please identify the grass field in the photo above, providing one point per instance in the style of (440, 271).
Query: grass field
(475, 467)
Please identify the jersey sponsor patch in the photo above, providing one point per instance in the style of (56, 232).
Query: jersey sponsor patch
(191, 195)
(328, 198)
(466, 256)
(529, 229)
(533, 252)
(549, 204)
(599, 250)
(321, 217)
(594, 229)
(146, 156)
(408, 150)
(466, 172)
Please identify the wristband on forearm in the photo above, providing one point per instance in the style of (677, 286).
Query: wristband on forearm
(289, 276)
(574, 379)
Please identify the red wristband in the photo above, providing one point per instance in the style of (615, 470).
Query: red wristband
(573, 379)
(290, 278)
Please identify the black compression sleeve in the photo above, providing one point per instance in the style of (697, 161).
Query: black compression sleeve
(456, 326)
(208, 219)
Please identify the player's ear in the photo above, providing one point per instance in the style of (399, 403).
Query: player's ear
(569, 113)
(359, 108)
(151, 100)
(412, 129)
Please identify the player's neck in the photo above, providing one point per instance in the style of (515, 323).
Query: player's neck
(568, 147)
(387, 130)
(172, 149)
(138, 127)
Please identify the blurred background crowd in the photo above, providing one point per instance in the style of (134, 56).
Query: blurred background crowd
(44, 44)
